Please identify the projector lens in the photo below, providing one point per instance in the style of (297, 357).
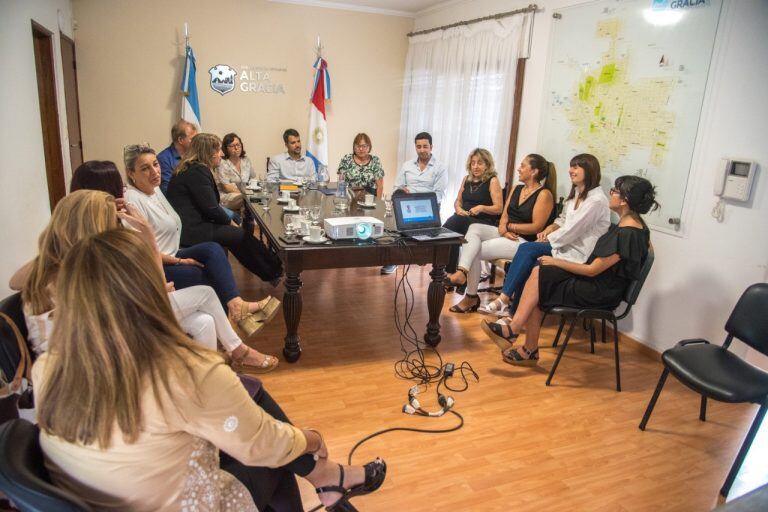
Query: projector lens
(364, 231)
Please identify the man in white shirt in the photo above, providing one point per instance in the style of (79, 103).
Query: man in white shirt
(425, 174)
(291, 164)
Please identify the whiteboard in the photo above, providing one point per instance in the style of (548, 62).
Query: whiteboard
(626, 82)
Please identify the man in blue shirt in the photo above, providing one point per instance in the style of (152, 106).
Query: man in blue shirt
(181, 135)
(425, 174)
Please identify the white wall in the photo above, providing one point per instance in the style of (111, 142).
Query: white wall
(24, 205)
(698, 276)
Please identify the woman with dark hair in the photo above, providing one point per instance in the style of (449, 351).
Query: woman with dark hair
(144, 430)
(193, 194)
(529, 208)
(572, 236)
(599, 282)
(360, 169)
(99, 175)
(235, 168)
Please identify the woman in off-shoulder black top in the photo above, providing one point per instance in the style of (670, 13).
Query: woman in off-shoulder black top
(599, 283)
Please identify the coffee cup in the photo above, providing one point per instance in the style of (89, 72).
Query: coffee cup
(285, 195)
(291, 203)
(316, 233)
(369, 199)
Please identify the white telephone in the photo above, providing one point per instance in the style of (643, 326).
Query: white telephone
(734, 178)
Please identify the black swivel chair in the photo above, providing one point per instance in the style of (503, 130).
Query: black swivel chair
(575, 314)
(23, 477)
(716, 373)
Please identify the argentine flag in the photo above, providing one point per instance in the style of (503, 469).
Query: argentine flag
(317, 149)
(190, 108)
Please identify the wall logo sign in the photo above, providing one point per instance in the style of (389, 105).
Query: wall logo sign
(253, 79)
(222, 78)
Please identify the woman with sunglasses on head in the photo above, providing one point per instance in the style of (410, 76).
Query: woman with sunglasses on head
(194, 196)
(600, 282)
(143, 431)
(572, 236)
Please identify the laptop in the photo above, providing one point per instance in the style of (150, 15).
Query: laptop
(418, 217)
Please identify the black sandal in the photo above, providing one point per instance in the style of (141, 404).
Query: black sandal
(375, 472)
(447, 283)
(471, 309)
(496, 333)
(513, 357)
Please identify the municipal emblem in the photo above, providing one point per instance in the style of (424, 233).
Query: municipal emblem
(222, 78)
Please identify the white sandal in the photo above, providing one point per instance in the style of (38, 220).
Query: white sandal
(496, 308)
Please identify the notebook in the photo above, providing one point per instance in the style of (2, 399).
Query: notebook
(418, 217)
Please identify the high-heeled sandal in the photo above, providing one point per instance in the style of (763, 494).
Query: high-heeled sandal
(496, 308)
(512, 356)
(495, 331)
(448, 283)
(471, 309)
(251, 323)
(375, 473)
(239, 365)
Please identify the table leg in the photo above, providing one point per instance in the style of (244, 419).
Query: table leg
(292, 315)
(435, 300)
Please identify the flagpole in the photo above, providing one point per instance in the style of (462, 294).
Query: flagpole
(186, 35)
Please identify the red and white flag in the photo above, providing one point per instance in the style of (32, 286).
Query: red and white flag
(317, 149)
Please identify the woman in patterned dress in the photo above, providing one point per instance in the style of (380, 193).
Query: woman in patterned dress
(360, 169)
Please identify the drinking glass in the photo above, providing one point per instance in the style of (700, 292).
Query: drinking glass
(387, 204)
(314, 215)
(288, 225)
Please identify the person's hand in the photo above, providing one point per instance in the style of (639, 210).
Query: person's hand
(191, 262)
(461, 212)
(405, 189)
(233, 223)
(542, 237)
(169, 287)
(547, 260)
(475, 210)
(120, 204)
(135, 220)
(511, 236)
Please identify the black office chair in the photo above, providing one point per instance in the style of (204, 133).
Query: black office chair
(23, 477)
(716, 373)
(11, 356)
(575, 314)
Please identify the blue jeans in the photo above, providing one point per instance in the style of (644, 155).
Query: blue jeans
(233, 215)
(519, 270)
(217, 273)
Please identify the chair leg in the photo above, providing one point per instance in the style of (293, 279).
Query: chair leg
(591, 337)
(655, 397)
(615, 351)
(492, 278)
(562, 349)
(559, 331)
(603, 330)
(743, 450)
(703, 409)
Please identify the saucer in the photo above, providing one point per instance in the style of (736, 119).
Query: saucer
(254, 188)
(281, 200)
(287, 208)
(367, 205)
(318, 241)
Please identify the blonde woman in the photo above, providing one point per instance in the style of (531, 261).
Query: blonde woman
(136, 422)
(193, 194)
(479, 199)
(88, 212)
(530, 208)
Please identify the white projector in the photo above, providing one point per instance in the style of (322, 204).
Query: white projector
(353, 227)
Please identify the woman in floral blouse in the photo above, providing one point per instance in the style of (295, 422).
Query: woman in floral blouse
(360, 169)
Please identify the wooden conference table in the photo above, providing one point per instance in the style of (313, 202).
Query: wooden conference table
(297, 257)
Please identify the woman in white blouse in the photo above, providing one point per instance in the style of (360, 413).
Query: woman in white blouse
(235, 168)
(572, 237)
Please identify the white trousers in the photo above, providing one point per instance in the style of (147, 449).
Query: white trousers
(200, 314)
(484, 243)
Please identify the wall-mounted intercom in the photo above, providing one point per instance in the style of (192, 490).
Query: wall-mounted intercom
(733, 179)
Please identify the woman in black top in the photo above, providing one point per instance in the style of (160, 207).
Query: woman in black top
(529, 209)
(479, 199)
(193, 194)
(599, 283)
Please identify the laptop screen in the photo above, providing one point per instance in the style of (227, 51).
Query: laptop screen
(415, 211)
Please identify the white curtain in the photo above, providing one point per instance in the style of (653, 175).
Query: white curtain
(459, 86)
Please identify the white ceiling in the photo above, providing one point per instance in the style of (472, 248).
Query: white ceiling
(392, 7)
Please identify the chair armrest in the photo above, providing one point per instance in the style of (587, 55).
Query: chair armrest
(697, 341)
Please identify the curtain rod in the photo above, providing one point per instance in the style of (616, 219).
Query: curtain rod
(530, 8)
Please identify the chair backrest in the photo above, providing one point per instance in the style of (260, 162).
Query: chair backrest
(23, 477)
(749, 318)
(9, 348)
(633, 290)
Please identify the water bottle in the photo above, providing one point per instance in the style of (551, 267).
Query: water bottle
(340, 199)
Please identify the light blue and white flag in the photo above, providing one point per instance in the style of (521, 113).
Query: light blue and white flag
(190, 107)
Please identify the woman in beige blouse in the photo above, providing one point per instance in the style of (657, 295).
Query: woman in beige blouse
(235, 168)
(136, 421)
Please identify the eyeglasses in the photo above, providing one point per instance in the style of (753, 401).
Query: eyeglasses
(235, 145)
(132, 149)
(362, 146)
(616, 191)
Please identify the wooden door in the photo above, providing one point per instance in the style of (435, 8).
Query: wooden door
(49, 112)
(69, 68)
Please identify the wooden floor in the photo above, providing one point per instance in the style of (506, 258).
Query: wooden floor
(573, 446)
